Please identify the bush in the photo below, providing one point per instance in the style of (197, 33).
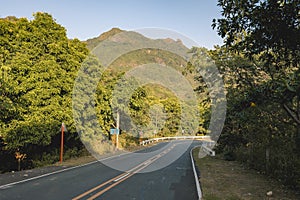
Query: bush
(229, 155)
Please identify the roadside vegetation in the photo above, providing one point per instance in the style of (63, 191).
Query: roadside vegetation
(260, 66)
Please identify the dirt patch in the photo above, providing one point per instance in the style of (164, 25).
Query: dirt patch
(222, 179)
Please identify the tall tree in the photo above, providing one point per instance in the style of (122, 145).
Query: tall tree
(270, 31)
(42, 65)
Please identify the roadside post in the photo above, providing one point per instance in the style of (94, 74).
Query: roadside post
(115, 131)
(63, 129)
(118, 124)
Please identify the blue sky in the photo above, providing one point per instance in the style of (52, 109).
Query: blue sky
(85, 19)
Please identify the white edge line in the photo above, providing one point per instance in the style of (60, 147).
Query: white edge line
(59, 171)
(195, 174)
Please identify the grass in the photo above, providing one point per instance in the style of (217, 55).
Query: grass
(229, 180)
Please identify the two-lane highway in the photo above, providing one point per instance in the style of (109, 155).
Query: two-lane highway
(153, 173)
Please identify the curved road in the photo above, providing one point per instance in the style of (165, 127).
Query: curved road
(153, 173)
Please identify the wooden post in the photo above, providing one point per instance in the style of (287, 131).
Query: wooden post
(118, 131)
(62, 144)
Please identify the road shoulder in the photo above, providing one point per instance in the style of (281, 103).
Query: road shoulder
(222, 179)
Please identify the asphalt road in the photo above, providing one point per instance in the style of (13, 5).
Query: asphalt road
(163, 171)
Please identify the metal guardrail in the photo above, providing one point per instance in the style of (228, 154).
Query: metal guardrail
(208, 150)
(206, 138)
(205, 146)
(196, 175)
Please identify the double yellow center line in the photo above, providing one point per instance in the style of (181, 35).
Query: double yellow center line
(104, 187)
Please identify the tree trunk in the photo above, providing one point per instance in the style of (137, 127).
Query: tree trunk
(295, 115)
(19, 164)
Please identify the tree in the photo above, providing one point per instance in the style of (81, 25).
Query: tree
(41, 65)
(257, 130)
(260, 66)
(255, 26)
(268, 30)
(8, 110)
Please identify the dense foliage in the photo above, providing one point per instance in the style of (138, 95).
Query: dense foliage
(38, 66)
(260, 66)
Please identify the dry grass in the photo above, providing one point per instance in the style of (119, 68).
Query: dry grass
(222, 179)
(76, 161)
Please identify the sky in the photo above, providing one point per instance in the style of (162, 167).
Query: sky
(86, 19)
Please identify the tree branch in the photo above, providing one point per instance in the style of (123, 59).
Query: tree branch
(290, 112)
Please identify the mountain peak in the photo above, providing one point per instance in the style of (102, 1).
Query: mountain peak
(93, 42)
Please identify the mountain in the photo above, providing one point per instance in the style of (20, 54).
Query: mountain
(134, 36)
(166, 52)
(93, 42)
(136, 50)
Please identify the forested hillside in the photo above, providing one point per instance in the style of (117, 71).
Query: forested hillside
(153, 110)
